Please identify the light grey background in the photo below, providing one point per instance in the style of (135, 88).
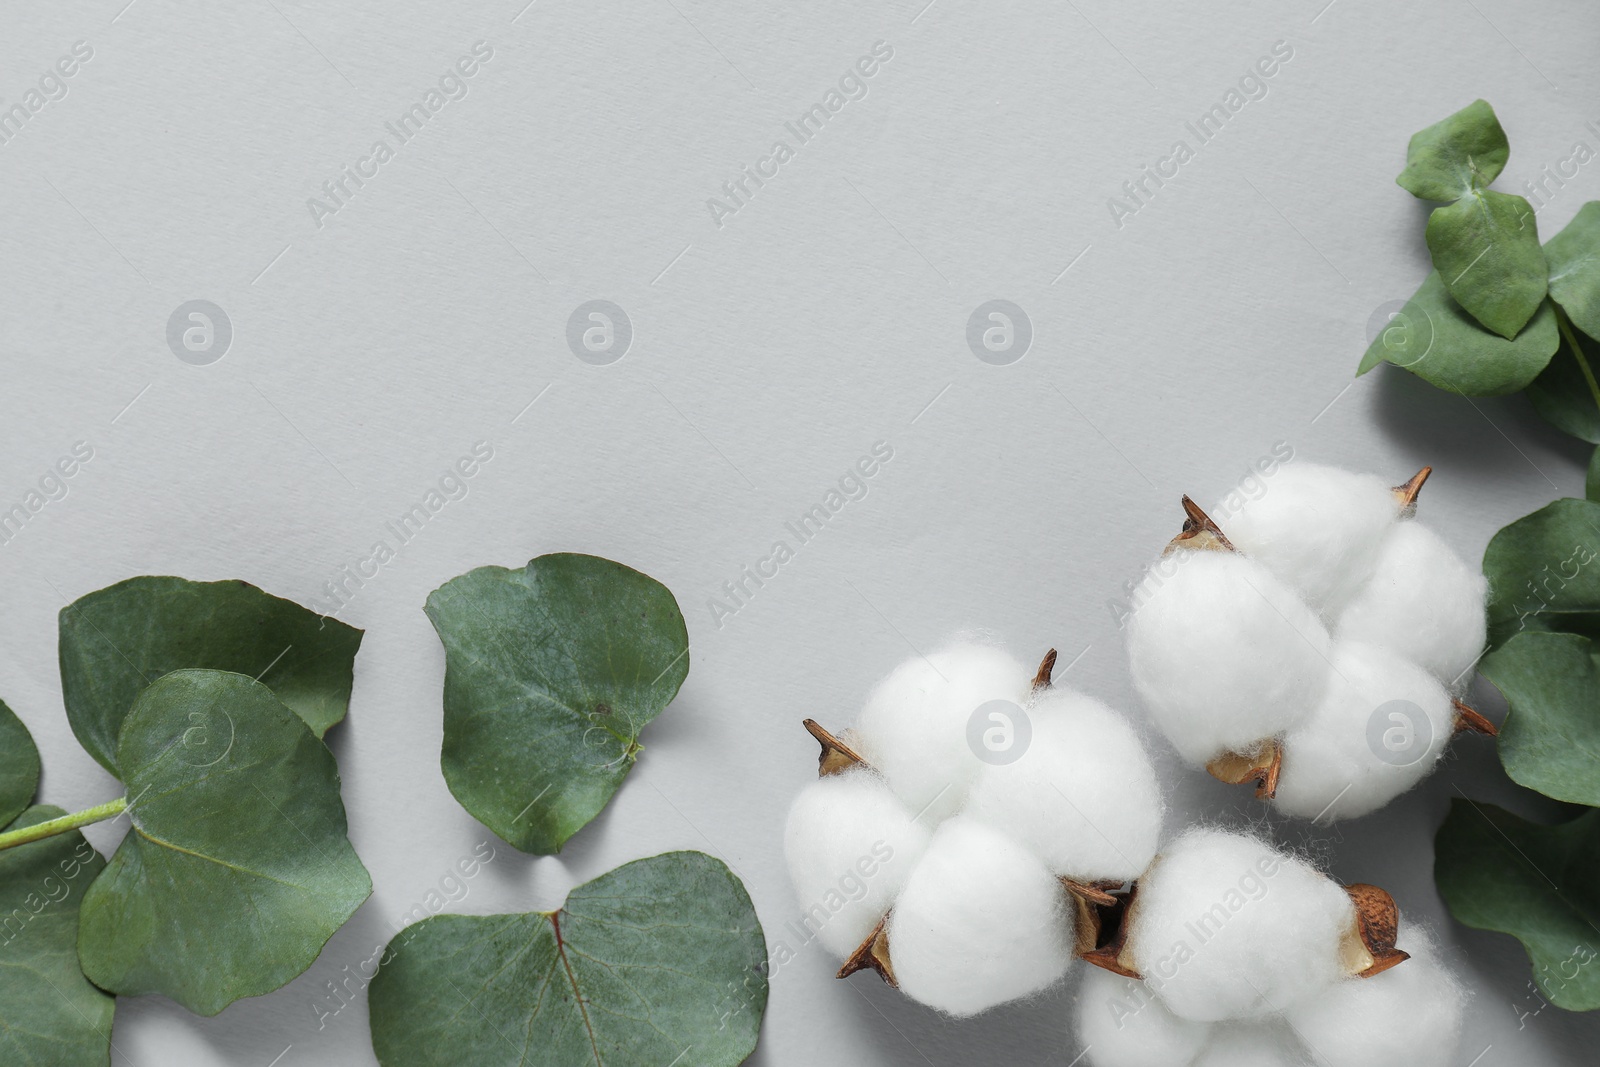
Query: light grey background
(768, 355)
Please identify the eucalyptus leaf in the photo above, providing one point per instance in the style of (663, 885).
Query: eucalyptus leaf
(1452, 157)
(19, 766)
(118, 640)
(1544, 572)
(1563, 396)
(661, 961)
(236, 869)
(1486, 248)
(551, 671)
(1591, 482)
(50, 1014)
(1432, 337)
(1541, 884)
(1551, 739)
(1574, 259)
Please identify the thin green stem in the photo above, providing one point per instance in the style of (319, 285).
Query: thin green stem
(51, 827)
(1577, 352)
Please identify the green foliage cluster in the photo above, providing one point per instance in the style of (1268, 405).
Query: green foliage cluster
(1501, 314)
(209, 702)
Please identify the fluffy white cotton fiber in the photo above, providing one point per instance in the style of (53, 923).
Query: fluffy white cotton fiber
(1122, 1024)
(913, 729)
(1083, 796)
(1318, 529)
(1223, 653)
(1224, 927)
(1408, 1016)
(1381, 726)
(850, 844)
(1423, 602)
(1246, 1045)
(980, 921)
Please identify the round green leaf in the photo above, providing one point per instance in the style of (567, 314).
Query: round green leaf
(118, 640)
(1561, 393)
(19, 766)
(1574, 259)
(1439, 342)
(661, 961)
(551, 671)
(1485, 247)
(50, 1014)
(1544, 572)
(1449, 159)
(1591, 482)
(1540, 884)
(236, 869)
(1551, 739)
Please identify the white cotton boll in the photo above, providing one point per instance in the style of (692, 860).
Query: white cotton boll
(1083, 795)
(1408, 1016)
(850, 845)
(1122, 1024)
(1252, 1045)
(1223, 653)
(1422, 602)
(914, 726)
(1224, 927)
(1318, 529)
(979, 922)
(1380, 728)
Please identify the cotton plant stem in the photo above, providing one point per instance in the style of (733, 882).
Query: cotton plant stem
(50, 828)
(1577, 352)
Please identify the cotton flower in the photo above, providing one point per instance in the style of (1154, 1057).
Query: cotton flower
(1232, 953)
(999, 812)
(1314, 646)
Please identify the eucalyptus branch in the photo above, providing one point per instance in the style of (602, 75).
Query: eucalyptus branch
(52, 827)
(1577, 352)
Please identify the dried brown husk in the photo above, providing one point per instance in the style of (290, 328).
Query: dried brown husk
(1408, 491)
(1262, 765)
(837, 756)
(1470, 720)
(1369, 948)
(1199, 533)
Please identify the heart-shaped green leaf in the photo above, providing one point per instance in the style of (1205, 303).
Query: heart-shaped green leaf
(1574, 259)
(50, 1014)
(1551, 739)
(236, 869)
(1544, 572)
(19, 766)
(1540, 884)
(1449, 159)
(661, 961)
(1564, 395)
(118, 640)
(1439, 342)
(551, 671)
(1486, 248)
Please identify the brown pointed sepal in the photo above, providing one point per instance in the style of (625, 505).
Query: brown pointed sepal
(873, 953)
(1199, 532)
(1262, 765)
(1407, 491)
(1047, 667)
(1093, 892)
(1471, 720)
(1103, 940)
(1369, 948)
(836, 757)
